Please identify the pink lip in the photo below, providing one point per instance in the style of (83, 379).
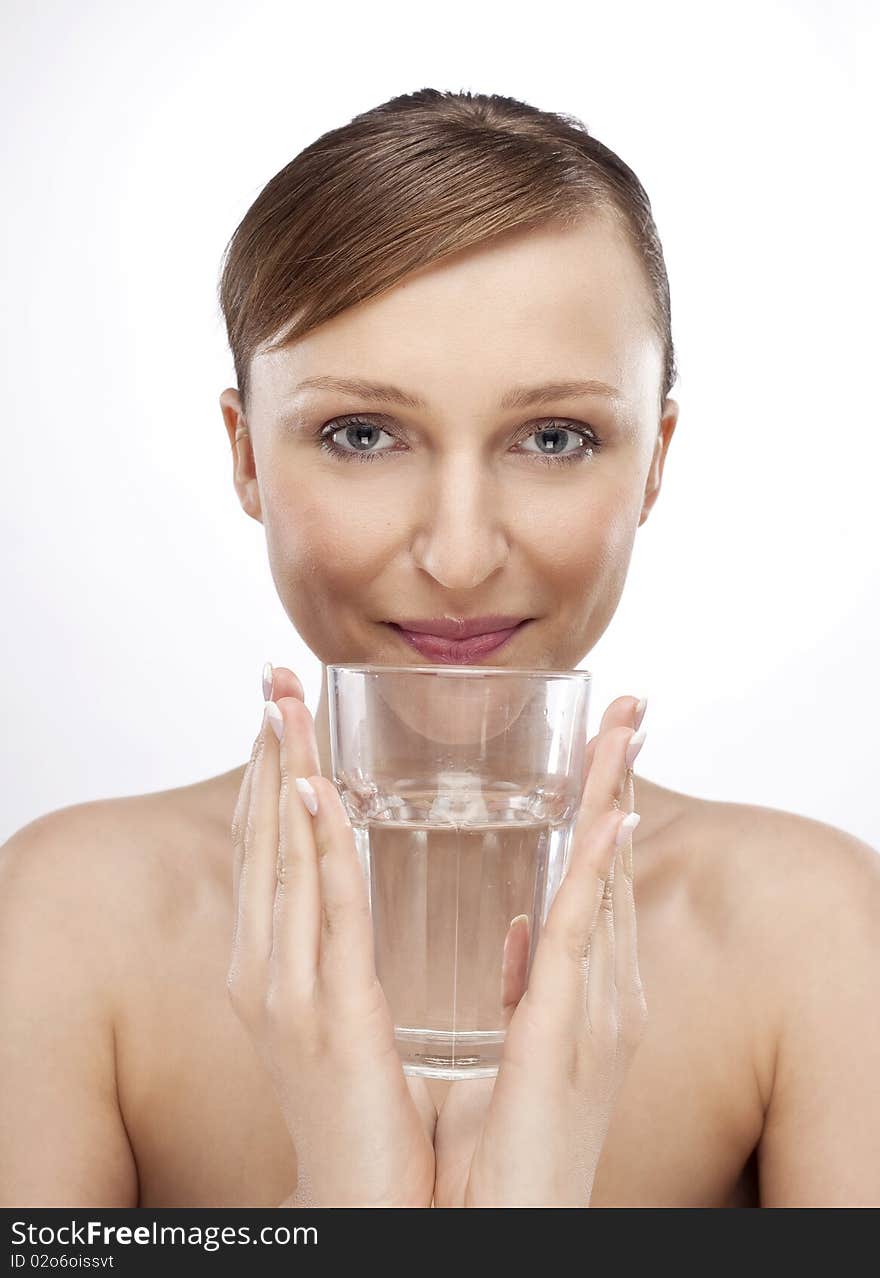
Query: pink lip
(460, 652)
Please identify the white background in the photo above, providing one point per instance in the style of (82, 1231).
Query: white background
(138, 604)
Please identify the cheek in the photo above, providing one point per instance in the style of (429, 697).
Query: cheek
(584, 544)
(322, 537)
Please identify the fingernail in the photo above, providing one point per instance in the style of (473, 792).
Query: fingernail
(640, 712)
(626, 827)
(268, 675)
(636, 741)
(307, 790)
(275, 717)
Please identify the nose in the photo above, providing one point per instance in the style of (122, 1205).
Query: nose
(460, 536)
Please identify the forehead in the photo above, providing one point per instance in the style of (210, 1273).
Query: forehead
(547, 302)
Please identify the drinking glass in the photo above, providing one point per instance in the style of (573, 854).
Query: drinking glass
(462, 784)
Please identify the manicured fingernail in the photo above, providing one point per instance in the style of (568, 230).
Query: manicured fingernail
(626, 827)
(636, 741)
(268, 675)
(275, 717)
(640, 712)
(307, 790)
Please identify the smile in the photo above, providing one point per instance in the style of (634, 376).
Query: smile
(457, 651)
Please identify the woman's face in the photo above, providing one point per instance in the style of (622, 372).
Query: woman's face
(460, 506)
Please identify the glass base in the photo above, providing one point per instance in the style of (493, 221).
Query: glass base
(451, 1055)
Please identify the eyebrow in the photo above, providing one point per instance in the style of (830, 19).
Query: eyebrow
(515, 397)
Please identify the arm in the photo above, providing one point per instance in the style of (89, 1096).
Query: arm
(821, 1141)
(62, 1137)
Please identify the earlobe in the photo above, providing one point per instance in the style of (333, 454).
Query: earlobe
(244, 473)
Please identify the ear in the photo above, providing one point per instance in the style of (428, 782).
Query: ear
(244, 471)
(655, 474)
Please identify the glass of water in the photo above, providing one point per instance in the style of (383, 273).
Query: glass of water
(462, 784)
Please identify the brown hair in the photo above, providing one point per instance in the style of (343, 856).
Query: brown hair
(405, 184)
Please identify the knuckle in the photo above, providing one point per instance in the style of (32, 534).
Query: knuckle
(323, 839)
(277, 1009)
(576, 947)
(249, 833)
(341, 914)
(634, 1022)
(240, 995)
(328, 920)
(564, 929)
(288, 1016)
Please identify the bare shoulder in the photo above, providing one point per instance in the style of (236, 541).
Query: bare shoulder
(796, 905)
(753, 872)
(71, 905)
(108, 861)
(779, 867)
(782, 912)
(791, 902)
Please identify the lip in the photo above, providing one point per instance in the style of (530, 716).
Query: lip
(460, 628)
(459, 652)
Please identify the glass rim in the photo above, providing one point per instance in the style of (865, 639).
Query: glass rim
(518, 671)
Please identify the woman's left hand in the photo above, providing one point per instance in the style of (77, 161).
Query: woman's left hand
(533, 1136)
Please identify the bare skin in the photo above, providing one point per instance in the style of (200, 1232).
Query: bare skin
(121, 910)
(126, 1077)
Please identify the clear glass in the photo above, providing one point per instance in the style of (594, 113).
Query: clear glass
(462, 784)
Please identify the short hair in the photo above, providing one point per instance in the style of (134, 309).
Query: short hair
(402, 186)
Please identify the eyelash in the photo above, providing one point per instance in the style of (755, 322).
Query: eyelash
(325, 441)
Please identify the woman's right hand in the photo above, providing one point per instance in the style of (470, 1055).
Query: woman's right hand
(302, 980)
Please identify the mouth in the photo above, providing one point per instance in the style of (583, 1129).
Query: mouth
(458, 652)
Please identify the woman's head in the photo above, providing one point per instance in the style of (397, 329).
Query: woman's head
(460, 249)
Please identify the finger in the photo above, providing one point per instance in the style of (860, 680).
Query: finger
(604, 780)
(347, 962)
(623, 711)
(239, 819)
(607, 775)
(252, 942)
(627, 977)
(285, 684)
(514, 966)
(297, 914)
(601, 1002)
(280, 682)
(592, 841)
(560, 966)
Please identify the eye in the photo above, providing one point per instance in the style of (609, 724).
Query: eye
(560, 436)
(360, 433)
(357, 432)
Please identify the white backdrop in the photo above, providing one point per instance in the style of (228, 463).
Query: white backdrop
(138, 604)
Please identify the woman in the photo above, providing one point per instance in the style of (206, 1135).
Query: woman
(444, 256)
